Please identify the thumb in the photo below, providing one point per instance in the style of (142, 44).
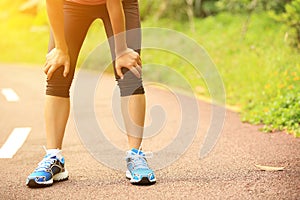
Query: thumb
(66, 68)
(119, 72)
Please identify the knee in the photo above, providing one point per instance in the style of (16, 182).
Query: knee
(59, 85)
(130, 84)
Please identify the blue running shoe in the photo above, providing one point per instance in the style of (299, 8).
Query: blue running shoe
(138, 171)
(51, 168)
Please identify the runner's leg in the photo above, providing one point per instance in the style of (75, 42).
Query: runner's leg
(57, 103)
(132, 92)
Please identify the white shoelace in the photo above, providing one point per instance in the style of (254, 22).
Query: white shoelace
(140, 160)
(47, 161)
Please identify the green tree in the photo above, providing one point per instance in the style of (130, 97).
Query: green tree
(291, 17)
(240, 6)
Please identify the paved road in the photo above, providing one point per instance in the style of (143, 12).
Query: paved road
(228, 172)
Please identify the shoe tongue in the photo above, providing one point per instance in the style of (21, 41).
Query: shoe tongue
(50, 156)
(136, 151)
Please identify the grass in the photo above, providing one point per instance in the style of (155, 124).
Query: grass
(260, 70)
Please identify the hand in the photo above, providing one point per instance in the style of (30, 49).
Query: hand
(130, 60)
(56, 58)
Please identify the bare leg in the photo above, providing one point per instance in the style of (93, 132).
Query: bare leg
(133, 111)
(56, 116)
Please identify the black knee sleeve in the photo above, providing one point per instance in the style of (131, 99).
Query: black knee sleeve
(130, 84)
(59, 85)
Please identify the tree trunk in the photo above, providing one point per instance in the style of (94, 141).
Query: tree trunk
(161, 10)
(198, 10)
(190, 13)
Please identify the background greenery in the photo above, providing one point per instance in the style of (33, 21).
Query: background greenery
(254, 44)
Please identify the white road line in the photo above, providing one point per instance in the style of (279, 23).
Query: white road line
(14, 142)
(10, 95)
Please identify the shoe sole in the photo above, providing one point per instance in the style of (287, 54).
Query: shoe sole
(143, 181)
(63, 176)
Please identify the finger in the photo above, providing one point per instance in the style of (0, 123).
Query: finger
(119, 72)
(137, 58)
(139, 69)
(66, 68)
(139, 61)
(135, 72)
(50, 72)
(46, 68)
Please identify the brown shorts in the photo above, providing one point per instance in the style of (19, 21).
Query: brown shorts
(77, 20)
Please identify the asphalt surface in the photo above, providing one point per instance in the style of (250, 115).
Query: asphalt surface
(228, 172)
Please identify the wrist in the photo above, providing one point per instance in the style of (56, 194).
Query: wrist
(62, 49)
(120, 48)
(121, 52)
(61, 46)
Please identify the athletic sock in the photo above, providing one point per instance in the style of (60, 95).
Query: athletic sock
(56, 152)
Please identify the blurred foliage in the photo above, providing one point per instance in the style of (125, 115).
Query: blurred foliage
(239, 6)
(279, 106)
(24, 32)
(177, 9)
(284, 11)
(291, 17)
